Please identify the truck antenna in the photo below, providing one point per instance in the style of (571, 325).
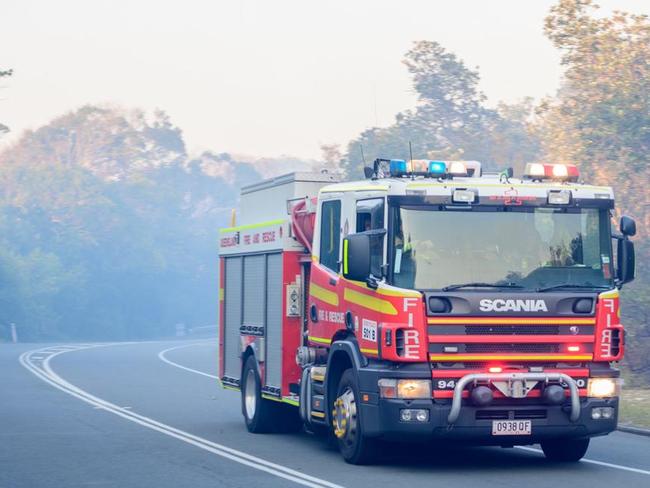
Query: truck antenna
(368, 172)
(411, 156)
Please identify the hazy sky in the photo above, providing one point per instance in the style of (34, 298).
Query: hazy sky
(262, 77)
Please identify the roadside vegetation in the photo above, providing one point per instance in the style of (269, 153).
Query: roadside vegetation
(634, 407)
(108, 227)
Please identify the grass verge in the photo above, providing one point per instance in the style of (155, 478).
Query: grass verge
(635, 408)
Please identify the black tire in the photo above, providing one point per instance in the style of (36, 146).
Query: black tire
(565, 450)
(259, 414)
(353, 445)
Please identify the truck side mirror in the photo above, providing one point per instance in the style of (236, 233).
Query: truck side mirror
(626, 262)
(627, 226)
(356, 257)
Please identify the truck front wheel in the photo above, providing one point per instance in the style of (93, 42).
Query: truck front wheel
(355, 447)
(565, 450)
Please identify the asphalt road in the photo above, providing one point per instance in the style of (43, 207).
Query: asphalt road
(152, 415)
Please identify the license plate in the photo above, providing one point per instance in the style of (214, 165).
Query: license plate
(511, 427)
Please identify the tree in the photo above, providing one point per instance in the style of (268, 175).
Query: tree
(3, 73)
(450, 120)
(600, 120)
(107, 227)
(332, 158)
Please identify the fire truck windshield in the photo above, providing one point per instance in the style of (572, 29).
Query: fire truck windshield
(524, 247)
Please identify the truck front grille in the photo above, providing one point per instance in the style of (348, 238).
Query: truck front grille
(512, 348)
(527, 414)
(516, 340)
(512, 330)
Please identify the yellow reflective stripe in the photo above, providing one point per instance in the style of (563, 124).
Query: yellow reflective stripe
(609, 294)
(320, 415)
(371, 303)
(275, 399)
(370, 351)
(492, 357)
(320, 340)
(220, 294)
(227, 387)
(329, 297)
(253, 226)
(510, 320)
(345, 256)
(291, 401)
(389, 292)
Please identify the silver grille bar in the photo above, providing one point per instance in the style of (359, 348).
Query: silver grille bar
(489, 377)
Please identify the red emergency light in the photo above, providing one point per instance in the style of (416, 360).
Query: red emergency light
(557, 172)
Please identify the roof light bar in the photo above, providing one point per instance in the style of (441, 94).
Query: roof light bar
(556, 172)
(398, 167)
(436, 169)
(457, 168)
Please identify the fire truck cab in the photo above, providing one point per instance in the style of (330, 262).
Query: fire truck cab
(428, 301)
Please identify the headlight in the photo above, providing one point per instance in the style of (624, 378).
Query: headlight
(602, 387)
(407, 389)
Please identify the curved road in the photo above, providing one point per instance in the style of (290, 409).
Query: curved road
(152, 414)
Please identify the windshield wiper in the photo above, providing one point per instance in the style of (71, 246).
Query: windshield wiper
(481, 285)
(570, 285)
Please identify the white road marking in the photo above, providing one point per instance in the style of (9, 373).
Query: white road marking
(593, 461)
(45, 373)
(161, 356)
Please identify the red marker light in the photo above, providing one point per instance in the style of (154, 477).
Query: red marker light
(573, 348)
(495, 369)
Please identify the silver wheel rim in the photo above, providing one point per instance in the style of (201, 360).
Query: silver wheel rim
(344, 417)
(250, 395)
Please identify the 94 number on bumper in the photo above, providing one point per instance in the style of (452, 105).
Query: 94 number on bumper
(511, 427)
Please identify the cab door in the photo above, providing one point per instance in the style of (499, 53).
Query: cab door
(325, 315)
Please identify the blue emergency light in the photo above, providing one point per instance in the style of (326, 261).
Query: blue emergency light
(400, 167)
(437, 167)
(397, 167)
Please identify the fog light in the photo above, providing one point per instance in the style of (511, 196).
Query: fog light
(602, 387)
(422, 415)
(414, 415)
(605, 413)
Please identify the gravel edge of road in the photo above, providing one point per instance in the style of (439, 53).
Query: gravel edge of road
(634, 430)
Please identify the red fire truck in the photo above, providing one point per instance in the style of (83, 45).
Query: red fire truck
(431, 300)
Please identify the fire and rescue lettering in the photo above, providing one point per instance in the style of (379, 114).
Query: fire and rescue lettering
(249, 239)
(606, 333)
(411, 344)
(331, 316)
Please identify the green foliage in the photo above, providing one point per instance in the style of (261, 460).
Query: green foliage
(450, 121)
(109, 229)
(600, 120)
